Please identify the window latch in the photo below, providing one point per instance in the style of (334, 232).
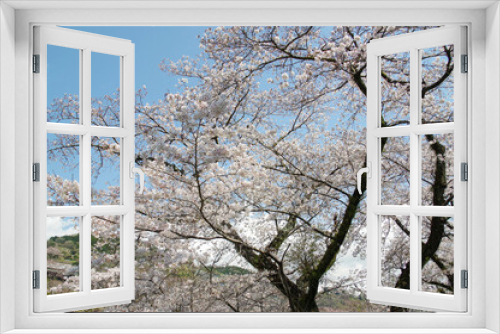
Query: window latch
(367, 170)
(135, 170)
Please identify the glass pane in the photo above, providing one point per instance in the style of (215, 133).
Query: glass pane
(395, 251)
(437, 254)
(63, 254)
(395, 171)
(105, 89)
(437, 84)
(437, 170)
(105, 252)
(105, 171)
(395, 89)
(63, 85)
(63, 170)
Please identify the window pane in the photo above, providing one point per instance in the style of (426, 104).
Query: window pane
(63, 255)
(63, 170)
(437, 169)
(437, 84)
(437, 254)
(395, 171)
(63, 85)
(105, 171)
(395, 251)
(105, 252)
(105, 89)
(395, 89)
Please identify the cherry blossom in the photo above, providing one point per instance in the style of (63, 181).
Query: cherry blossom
(251, 163)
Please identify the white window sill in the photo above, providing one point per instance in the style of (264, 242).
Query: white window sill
(250, 331)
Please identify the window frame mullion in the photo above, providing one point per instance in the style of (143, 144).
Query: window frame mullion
(415, 169)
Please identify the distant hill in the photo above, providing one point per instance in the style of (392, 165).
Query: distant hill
(65, 250)
(231, 270)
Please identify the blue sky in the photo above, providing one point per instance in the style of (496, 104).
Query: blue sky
(152, 45)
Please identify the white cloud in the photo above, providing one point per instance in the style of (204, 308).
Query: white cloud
(59, 226)
(346, 264)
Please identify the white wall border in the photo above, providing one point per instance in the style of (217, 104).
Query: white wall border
(7, 157)
(248, 4)
(477, 125)
(492, 163)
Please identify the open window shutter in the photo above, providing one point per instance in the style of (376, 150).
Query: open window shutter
(83, 222)
(416, 198)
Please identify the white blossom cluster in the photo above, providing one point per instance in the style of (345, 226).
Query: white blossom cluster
(250, 204)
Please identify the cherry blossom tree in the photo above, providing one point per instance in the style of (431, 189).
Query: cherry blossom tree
(252, 163)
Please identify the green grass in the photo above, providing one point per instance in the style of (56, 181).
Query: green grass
(68, 246)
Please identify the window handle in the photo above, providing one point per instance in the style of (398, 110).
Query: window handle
(367, 170)
(135, 170)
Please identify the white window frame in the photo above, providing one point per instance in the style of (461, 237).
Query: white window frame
(483, 20)
(86, 44)
(414, 43)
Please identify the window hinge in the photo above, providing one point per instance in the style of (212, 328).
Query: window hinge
(465, 64)
(36, 279)
(36, 63)
(36, 172)
(464, 278)
(464, 167)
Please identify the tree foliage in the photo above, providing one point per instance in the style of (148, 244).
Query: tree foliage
(252, 163)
